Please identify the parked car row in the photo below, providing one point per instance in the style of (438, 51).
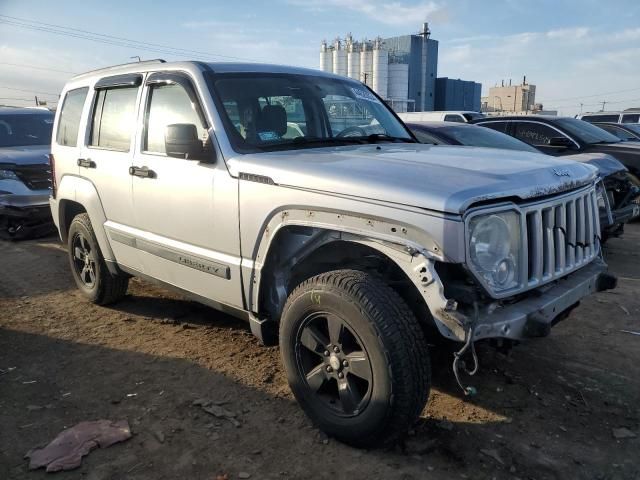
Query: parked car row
(620, 190)
(298, 201)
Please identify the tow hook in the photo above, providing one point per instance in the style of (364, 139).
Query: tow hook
(469, 390)
(606, 281)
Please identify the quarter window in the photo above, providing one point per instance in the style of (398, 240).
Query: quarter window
(168, 105)
(633, 118)
(113, 120)
(454, 118)
(497, 126)
(535, 134)
(70, 115)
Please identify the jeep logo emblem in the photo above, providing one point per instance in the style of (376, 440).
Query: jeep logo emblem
(561, 172)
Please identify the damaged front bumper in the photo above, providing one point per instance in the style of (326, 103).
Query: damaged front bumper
(21, 214)
(534, 315)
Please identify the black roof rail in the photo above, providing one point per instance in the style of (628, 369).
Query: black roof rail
(154, 60)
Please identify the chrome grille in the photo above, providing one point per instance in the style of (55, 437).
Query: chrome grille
(561, 236)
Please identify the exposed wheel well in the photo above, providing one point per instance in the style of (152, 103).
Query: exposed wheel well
(299, 253)
(68, 211)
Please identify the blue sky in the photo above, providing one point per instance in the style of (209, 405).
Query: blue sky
(580, 51)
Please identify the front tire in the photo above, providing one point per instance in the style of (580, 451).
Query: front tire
(88, 267)
(356, 358)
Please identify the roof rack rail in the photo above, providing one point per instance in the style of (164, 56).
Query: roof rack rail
(154, 60)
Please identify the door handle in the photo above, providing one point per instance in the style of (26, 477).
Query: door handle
(143, 172)
(86, 163)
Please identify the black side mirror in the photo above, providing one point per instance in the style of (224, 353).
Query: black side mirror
(181, 141)
(562, 142)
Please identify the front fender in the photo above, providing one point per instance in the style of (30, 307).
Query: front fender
(410, 248)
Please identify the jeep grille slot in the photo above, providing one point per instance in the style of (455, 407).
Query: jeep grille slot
(561, 236)
(35, 177)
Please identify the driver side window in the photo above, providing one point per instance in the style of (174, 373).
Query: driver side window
(167, 105)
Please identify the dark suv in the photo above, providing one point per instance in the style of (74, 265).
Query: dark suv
(25, 175)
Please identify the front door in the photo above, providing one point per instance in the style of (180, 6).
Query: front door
(186, 210)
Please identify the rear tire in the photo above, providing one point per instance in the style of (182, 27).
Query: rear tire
(88, 267)
(356, 358)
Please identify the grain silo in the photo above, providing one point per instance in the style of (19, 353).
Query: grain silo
(339, 59)
(380, 68)
(398, 86)
(326, 58)
(366, 63)
(353, 58)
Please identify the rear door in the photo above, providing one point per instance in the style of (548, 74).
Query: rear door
(186, 210)
(108, 153)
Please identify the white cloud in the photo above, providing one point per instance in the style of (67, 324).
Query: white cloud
(390, 13)
(563, 63)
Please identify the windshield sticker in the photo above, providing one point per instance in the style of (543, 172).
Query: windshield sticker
(268, 136)
(364, 94)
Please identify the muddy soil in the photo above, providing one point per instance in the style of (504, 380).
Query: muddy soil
(547, 410)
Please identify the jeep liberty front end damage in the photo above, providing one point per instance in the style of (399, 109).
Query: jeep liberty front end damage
(298, 201)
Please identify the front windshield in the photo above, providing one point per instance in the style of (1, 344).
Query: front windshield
(268, 111)
(25, 129)
(475, 136)
(585, 131)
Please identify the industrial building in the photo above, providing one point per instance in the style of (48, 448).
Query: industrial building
(510, 98)
(456, 94)
(402, 70)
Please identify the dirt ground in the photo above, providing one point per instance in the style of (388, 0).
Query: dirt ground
(547, 410)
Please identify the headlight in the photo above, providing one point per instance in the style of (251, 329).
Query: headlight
(8, 175)
(494, 249)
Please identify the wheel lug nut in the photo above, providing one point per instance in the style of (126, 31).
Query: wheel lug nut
(345, 363)
(329, 369)
(326, 353)
(340, 375)
(336, 349)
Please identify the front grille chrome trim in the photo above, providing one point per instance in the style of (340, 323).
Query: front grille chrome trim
(559, 235)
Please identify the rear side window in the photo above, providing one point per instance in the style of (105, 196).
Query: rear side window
(70, 115)
(169, 104)
(424, 137)
(497, 126)
(631, 118)
(601, 118)
(454, 118)
(113, 119)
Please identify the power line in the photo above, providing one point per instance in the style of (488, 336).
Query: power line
(30, 91)
(35, 67)
(110, 39)
(592, 96)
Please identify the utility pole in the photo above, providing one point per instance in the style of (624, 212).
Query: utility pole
(581, 107)
(603, 104)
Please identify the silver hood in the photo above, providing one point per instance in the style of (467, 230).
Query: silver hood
(28, 155)
(440, 178)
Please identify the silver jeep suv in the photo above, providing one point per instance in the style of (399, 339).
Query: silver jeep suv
(297, 200)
